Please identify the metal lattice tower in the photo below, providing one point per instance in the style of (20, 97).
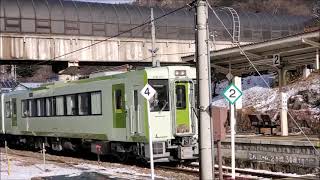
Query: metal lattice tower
(235, 24)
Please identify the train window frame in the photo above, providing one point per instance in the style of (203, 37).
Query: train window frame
(49, 106)
(99, 93)
(41, 110)
(88, 104)
(8, 113)
(165, 98)
(53, 105)
(32, 107)
(73, 104)
(118, 99)
(181, 99)
(24, 108)
(60, 106)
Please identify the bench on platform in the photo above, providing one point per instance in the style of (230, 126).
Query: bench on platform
(268, 122)
(256, 122)
(263, 122)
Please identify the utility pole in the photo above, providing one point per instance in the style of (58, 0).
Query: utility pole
(205, 136)
(153, 44)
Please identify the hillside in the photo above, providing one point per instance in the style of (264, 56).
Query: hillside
(303, 101)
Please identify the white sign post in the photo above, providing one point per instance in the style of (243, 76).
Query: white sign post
(148, 92)
(232, 94)
(276, 60)
(284, 114)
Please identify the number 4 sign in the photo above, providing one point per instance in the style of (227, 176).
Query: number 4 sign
(232, 93)
(148, 92)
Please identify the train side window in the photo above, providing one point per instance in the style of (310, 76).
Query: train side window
(180, 96)
(41, 107)
(84, 104)
(32, 107)
(24, 108)
(54, 112)
(118, 98)
(96, 103)
(72, 107)
(59, 105)
(8, 109)
(49, 106)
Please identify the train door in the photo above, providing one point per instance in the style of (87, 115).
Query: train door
(182, 109)
(14, 112)
(118, 101)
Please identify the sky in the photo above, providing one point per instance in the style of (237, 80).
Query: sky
(108, 1)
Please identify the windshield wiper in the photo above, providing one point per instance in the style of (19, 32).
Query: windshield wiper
(164, 106)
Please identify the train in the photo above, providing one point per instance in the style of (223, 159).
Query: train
(107, 115)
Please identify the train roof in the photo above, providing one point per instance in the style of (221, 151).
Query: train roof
(100, 19)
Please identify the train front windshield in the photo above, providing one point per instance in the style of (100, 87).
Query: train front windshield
(160, 101)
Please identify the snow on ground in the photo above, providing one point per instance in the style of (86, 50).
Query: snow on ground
(20, 169)
(257, 94)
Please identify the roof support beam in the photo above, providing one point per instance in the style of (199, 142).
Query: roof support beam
(312, 43)
(224, 70)
(252, 55)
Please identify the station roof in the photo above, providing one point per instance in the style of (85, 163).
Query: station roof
(296, 50)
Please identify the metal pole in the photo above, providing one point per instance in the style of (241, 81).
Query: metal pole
(7, 157)
(210, 93)
(233, 133)
(317, 60)
(150, 143)
(283, 103)
(206, 170)
(153, 44)
(44, 156)
(220, 159)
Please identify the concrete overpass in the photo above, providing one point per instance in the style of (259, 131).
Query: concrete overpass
(40, 30)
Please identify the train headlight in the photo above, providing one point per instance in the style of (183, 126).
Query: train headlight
(180, 72)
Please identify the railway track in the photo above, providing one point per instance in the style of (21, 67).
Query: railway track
(191, 169)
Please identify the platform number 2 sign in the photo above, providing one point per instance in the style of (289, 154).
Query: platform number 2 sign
(232, 93)
(276, 60)
(148, 92)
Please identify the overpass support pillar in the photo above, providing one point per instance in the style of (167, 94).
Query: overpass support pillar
(317, 60)
(283, 102)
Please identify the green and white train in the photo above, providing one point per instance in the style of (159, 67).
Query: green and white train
(108, 115)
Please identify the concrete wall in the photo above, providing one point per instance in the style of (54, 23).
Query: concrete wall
(288, 155)
(46, 47)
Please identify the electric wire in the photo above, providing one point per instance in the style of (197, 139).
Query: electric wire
(242, 51)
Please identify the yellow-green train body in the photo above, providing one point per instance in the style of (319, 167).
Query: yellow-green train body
(108, 114)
